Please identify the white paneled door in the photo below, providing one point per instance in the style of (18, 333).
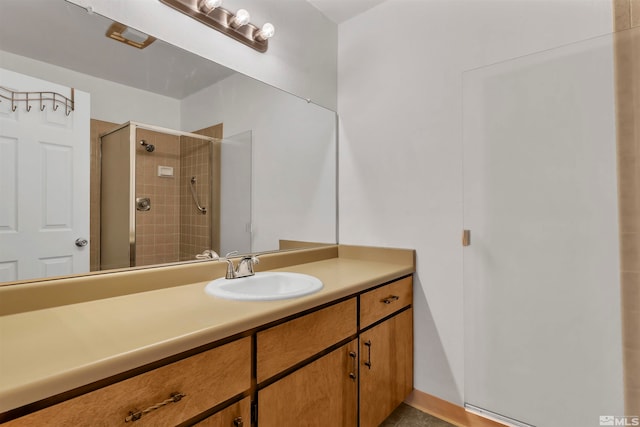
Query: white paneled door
(541, 276)
(44, 182)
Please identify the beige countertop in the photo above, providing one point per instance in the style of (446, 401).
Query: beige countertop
(46, 352)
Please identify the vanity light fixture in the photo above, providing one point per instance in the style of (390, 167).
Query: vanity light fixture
(206, 6)
(126, 35)
(266, 32)
(236, 26)
(241, 18)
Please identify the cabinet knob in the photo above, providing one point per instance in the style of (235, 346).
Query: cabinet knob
(237, 422)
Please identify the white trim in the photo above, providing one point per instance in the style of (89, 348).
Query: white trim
(495, 417)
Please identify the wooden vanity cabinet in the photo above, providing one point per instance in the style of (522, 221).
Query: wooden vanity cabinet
(385, 300)
(386, 367)
(386, 350)
(347, 364)
(282, 346)
(322, 393)
(206, 380)
(325, 391)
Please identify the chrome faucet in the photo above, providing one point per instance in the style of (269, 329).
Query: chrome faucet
(244, 268)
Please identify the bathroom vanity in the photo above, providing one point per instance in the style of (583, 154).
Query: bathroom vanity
(176, 356)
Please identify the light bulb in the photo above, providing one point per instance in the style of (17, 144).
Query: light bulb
(206, 6)
(242, 18)
(266, 32)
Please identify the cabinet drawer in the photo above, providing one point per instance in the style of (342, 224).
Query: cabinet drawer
(283, 346)
(206, 379)
(383, 301)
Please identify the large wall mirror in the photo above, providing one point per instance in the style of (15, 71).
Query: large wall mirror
(178, 154)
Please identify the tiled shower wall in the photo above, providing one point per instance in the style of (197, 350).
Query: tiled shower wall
(213, 210)
(627, 63)
(158, 229)
(195, 226)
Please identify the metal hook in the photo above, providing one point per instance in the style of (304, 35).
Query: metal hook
(27, 98)
(67, 111)
(41, 104)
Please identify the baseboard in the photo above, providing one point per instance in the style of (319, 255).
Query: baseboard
(447, 411)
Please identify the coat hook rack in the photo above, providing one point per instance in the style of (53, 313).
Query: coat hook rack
(27, 97)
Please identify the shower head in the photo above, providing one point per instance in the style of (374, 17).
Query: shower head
(148, 147)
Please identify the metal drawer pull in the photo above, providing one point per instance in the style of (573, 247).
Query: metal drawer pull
(368, 362)
(353, 375)
(136, 415)
(389, 300)
(238, 422)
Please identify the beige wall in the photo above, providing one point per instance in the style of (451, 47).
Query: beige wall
(627, 62)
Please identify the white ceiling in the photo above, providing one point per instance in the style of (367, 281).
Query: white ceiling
(341, 10)
(65, 35)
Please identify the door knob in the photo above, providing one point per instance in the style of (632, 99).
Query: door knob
(80, 242)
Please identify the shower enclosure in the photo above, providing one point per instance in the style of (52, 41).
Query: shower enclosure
(160, 195)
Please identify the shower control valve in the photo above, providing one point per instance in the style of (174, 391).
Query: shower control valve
(143, 203)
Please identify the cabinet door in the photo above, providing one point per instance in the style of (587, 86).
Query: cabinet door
(386, 368)
(323, 393)
(236, 415)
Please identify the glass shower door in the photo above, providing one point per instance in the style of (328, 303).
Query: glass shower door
(235, 196)
(541, 283)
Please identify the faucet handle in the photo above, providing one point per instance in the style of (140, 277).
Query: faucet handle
(253, 258)
(208, 254)
(231, 272)
(230, 253)
(245, 266)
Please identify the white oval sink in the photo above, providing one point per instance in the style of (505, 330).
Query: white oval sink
(265, 286)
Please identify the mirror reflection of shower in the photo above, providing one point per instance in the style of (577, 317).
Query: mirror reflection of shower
(148, 147)
(181, 180)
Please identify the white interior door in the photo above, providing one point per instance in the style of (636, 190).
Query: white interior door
(44, 183)
(541, 277)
